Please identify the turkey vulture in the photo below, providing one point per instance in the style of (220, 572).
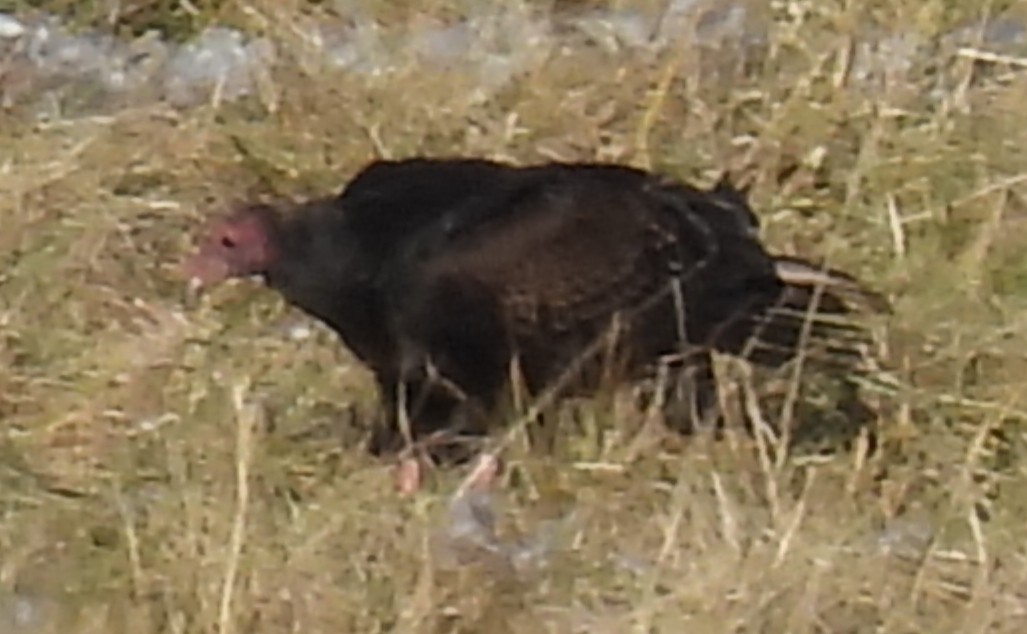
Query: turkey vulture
(441, 275)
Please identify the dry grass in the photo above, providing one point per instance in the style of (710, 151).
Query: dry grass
(171, 465)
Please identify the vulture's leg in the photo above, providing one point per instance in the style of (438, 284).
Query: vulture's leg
(690, 395)
(423, 421)
(419, 419)
(414, 407)
(388, 437)
(453, 361)
(430, 420)
(542, 431)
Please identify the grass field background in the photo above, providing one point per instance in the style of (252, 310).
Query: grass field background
(171, 463)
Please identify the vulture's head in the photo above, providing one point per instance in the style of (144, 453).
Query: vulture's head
(240, 244)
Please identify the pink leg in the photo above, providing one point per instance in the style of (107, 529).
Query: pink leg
(483, 475)
(408, 475)
(481, 478)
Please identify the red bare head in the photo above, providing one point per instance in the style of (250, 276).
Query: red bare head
(239, 244)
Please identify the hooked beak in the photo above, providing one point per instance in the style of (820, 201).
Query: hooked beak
(201, 271)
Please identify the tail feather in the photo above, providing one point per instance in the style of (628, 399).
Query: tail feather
(803, 276)
(816, 317)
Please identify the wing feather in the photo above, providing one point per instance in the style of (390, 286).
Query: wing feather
(577, 256)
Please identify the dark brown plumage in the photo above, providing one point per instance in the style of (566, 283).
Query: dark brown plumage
(440, 273)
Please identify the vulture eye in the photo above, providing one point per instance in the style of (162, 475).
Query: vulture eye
(227, 242)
